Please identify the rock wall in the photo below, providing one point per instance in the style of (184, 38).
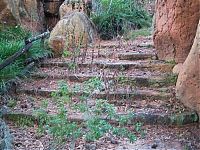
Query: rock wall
(6, 16)
(175, 28)
(188, 84)
(28, 13)
(38, 15)
(69, 6)
(51, 11)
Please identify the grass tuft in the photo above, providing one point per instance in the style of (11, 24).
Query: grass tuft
(132, 35)
(11, 41)
(116, 16)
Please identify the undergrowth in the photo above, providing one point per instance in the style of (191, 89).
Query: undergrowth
(96, 119)
(116, 16)
(11, 41)
(133, 34)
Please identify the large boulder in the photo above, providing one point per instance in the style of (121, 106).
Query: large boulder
(27, 13)
(175, 28)
(73, 29)
(188, 84)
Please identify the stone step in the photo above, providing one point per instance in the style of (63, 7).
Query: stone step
(154, 65)
(136, 56)
(123, 80)
(119, 94)
(146, 117)
(30, 102)
(146, 42)
(149, 111)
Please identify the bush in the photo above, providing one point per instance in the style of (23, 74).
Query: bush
(137, 33)
(116, 16)
(96, 122)
(12, 40)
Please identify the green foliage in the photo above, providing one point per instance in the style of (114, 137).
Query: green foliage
(21, 120)
(172, 62)
(119, 15)
(136, 33)
(170, 79)
(97, 119)
(12, 40)
(11, 33)
(72, 66)
(12, 103)
(66, 53)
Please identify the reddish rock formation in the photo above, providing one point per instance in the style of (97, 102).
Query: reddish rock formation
(188, 84)
(69, 6)
(6, 16)
(51, 11)
(28, 13)
(175, 28)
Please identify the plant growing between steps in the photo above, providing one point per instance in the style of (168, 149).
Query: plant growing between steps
(73, 50)
(96, 121)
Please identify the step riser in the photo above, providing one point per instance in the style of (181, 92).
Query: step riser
(137, 56)
(142, 67)
(133, 97)
(180, 119)
(147, 119)
(110, 66)
(108, 96)
(131, 81)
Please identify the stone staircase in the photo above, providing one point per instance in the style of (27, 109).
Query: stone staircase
(133, 79)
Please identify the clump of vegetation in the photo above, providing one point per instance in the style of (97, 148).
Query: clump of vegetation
(12, 40)
(170, 79)
(136, 33)
(116, 16)
(96, 121)
(21, 120)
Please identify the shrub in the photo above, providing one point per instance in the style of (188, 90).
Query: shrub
(11, 40)
(137, 33)
(118, 15)
(93, 126)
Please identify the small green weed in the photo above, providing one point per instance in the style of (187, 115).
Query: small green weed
(173, 62)
(12, 103)
(66, 53)
(21, 120)
(170, 79)
(72, 66)
(116, 16)
(96, 122)
(133, 34)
